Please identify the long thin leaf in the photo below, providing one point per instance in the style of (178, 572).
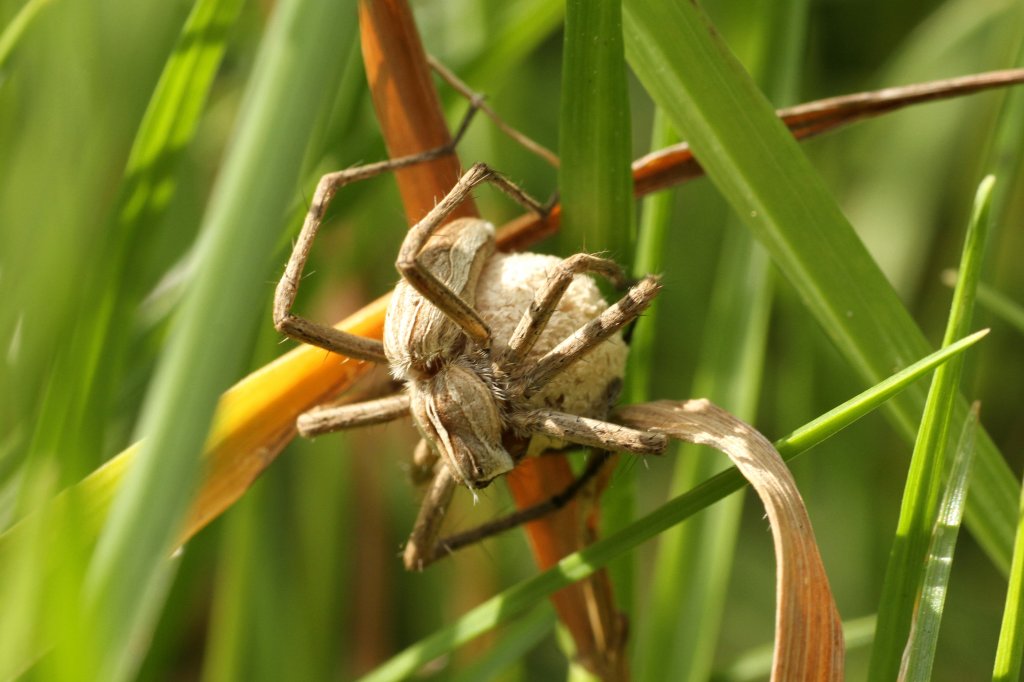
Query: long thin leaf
(904, 575)
(1010, 651)
(594, 177)
(15, 28)
(924, 634)
(649, 257)
(596, 183)
(149, 184)
(641, 365)
(241, 226)
(513, 644)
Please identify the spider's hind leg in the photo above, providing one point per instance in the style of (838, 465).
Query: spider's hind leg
(476, 102)
(421, 548)
(604, 437)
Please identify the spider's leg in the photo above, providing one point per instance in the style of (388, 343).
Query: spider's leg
(321, 335)
(457, 541)
(421, 548)
(322, 420)
(587, 337)
(424, 463)
(476, 102)
(592, 432)
(536, 317)
(471, 231)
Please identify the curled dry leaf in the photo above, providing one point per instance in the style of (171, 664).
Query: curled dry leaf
(809, 639)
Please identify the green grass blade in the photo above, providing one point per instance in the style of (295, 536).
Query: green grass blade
(293, 78)
(596, 182)
(224, 658)
(761, 171)
(24, 581)
(918, 513)
(173, 114)
(521, 27)
(1002, 157)
(852, 410)
(513, 644)
(149, 183)
(17, 26)
(651, 247)
(1011, 635)
(924, 633)
(691, 576)
(595, 178)
(76, 408)
(516, 600)
(654, 225)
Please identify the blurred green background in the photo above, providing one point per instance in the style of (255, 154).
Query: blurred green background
(301, 579)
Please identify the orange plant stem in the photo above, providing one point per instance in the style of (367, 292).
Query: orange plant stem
(407, 106)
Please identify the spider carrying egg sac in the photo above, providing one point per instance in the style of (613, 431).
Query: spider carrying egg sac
(588, 387)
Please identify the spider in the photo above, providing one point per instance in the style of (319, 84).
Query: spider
(475, 399)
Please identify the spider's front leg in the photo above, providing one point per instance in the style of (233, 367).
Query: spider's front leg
(423, 275)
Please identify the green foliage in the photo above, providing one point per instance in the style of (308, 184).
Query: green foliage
(117, 119)
(595, 179)
(1011, 634)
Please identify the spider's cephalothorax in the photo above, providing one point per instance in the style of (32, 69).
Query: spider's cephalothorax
(452, 395)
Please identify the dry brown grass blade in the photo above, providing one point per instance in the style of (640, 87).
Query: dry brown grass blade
(809, 638)
(676, 164)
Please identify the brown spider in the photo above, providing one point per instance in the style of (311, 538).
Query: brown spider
(473, 397)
